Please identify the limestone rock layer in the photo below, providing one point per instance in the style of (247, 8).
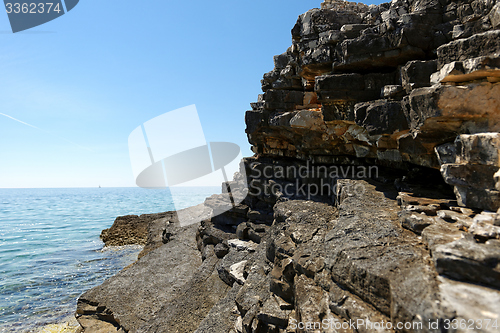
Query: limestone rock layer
(396, 83)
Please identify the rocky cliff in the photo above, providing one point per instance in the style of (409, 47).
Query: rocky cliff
(370, 204)
(405, 82)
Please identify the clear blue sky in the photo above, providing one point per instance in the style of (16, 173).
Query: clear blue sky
(88, 78)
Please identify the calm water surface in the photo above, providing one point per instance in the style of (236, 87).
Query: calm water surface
(50, 251)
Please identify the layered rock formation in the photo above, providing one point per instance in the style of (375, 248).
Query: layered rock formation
(394, 83)
(370, 205)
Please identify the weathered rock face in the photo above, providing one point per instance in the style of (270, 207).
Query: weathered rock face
(390, 82)
(370, 200)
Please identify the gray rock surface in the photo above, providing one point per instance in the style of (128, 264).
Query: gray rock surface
(465, 259)
(133, 297)
(219, 319)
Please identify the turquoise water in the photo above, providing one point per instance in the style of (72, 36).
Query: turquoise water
(50, 251)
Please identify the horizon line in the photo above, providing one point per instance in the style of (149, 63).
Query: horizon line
(97, 187)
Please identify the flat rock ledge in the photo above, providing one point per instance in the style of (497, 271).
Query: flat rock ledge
(149, 230)
(132, 229)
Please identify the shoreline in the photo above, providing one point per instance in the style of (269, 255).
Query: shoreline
(273, 259)
(69, 325)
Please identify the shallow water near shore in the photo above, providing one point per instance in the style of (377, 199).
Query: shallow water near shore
(50, 251)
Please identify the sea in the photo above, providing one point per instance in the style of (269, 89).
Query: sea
(50, 250)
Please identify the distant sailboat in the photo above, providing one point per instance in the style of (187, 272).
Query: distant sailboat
(99, 186)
